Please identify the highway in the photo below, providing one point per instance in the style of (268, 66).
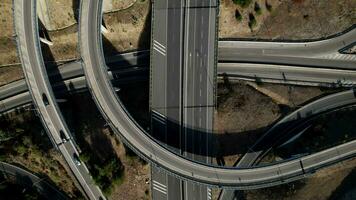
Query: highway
(136, 138)
(26, 27)
(182, 87)
(323, 53)
(30, 180)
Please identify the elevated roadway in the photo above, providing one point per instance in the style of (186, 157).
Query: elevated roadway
(136, 138)
(26, 27)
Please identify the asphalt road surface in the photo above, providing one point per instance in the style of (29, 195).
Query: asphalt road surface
(40, 89)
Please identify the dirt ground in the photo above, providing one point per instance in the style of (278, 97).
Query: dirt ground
(137, 176)
(244, 113)
(320, 185)
(128, 29)
(65, 45)
(294, 19)
(10, 74)
(61, 13)
(8, 54)
(122, 4)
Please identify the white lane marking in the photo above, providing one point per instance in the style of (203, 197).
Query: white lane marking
(159, 187)
(159, 44)
(209, 193)
(159, 51)
(160, 48)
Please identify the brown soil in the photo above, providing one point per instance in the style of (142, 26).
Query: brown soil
(65, 45)
(122, 4)
(10, 74)
(244, 113)
(8, 52)
(306, 19)
(128, 29)
(61, 13)
(137, 176)
(319, 186)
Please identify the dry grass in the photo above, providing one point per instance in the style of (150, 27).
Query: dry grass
(244, 113)
(319, 186)
(30, 150)
(129, 29)
(299, 19)
(10, 74)
(122, 4)
(8, 52)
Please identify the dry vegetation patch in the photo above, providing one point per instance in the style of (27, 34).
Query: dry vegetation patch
(297, 19)
(8, 54)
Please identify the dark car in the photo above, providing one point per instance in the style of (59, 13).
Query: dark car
(63, 136)
(76, 159)
(44, 99)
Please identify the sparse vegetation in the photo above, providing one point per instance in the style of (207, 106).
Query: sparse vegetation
(238, 15)
(258, 9)
(31, 148)
(268, 6)
(108, 175)
(242, 3)
(252, 21)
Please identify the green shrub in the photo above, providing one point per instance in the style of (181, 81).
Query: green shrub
(242, 3)
(252, 21)
(238, 15)
(258, 9)
(268, 6)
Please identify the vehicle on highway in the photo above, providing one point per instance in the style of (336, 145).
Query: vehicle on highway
(63, 136)
(76, 159)
(45, 99)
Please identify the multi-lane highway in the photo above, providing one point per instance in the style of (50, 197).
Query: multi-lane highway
(31, 180)
(182, 86)
(28, 44)
(142, 143)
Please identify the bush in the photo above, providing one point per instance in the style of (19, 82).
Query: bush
(258, 9)
(21, 149)
(252, 21)
(242, 3)
(238, 15)
(268, 6)
(108, 175)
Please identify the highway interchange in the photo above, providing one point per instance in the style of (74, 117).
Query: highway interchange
(110, 106)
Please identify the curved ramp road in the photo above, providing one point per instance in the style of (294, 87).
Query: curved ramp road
(323, 53)
(40, 89)
(136, 138)
(28, 179)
